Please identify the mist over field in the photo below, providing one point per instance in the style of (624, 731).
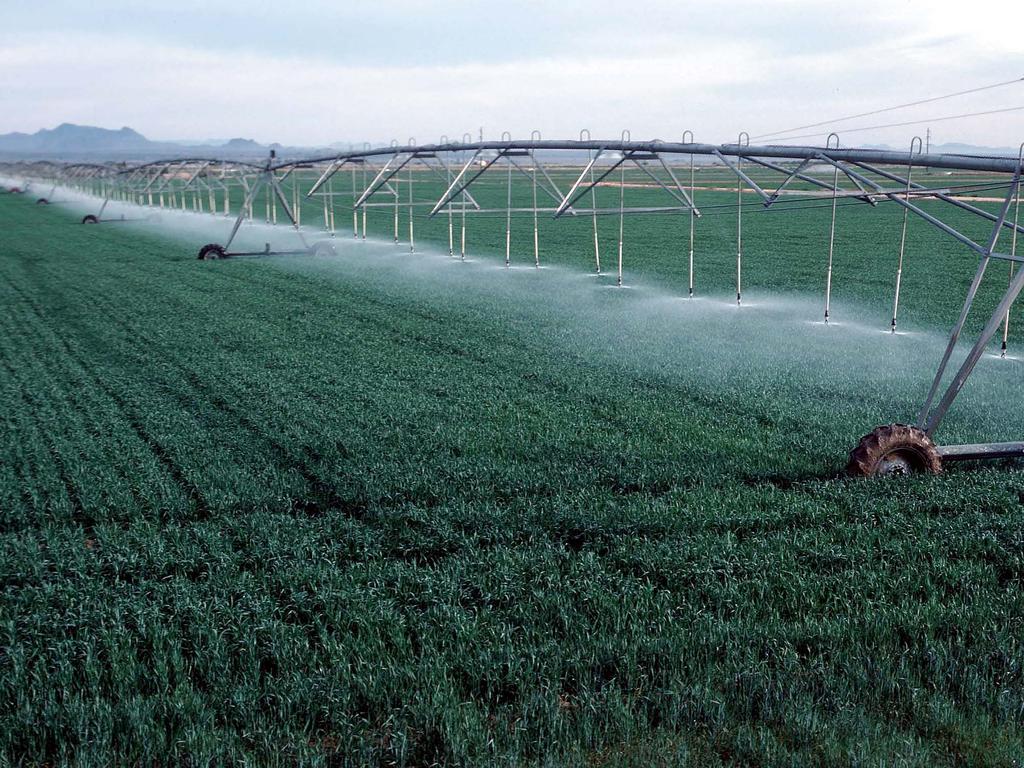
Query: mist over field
(773, 347)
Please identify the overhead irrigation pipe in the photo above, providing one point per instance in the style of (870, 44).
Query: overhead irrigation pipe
(784, 152)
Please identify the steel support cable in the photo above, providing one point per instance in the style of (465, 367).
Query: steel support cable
(856, 129)
(893, 108)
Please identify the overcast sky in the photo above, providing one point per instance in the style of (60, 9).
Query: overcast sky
(322, 71)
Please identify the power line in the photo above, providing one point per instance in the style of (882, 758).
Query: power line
(909, 122)
(890, 109)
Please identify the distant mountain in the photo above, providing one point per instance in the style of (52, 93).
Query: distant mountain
(77, 138)
(242, 145)
(69, 142)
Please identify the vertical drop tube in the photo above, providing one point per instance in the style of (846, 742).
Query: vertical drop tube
(296, 207)
(466, 138)
(364, 207)
(593, 206)
(739, 236)
(451, 226)
(355, 211)
(831, 241)
(593, 200)
(903, 240)
(536, 237)
(693, 202)
(412, 241)
(622, 219)
(739, 217)
(395, 190)
(1013, 252)
(462, 235)
(508, 216)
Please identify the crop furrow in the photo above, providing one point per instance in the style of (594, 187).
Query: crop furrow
(36, 408)
(128, 412)
(322, 494)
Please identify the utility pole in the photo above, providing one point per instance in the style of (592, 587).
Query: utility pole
(928, 146)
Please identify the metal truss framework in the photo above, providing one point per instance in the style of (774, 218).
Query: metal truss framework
(202, 184)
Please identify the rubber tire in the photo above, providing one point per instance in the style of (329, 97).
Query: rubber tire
(212, 251)
(323, 248)
(42, 201)
(894, 449)
(90, 219)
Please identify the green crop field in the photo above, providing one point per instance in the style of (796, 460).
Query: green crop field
(392, 509)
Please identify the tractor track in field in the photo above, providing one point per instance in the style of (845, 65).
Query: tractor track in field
(85, 415)
(20, 464)
(78, 513)
(36, 408)
(88, 413)
(188, 487)
(324, 495)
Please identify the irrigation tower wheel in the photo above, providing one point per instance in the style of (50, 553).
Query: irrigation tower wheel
(89, 219)
(212, 251)
(894, 449)
(323, 248)
(42, 201)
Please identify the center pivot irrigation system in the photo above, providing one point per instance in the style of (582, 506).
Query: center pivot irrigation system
(871, 176)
